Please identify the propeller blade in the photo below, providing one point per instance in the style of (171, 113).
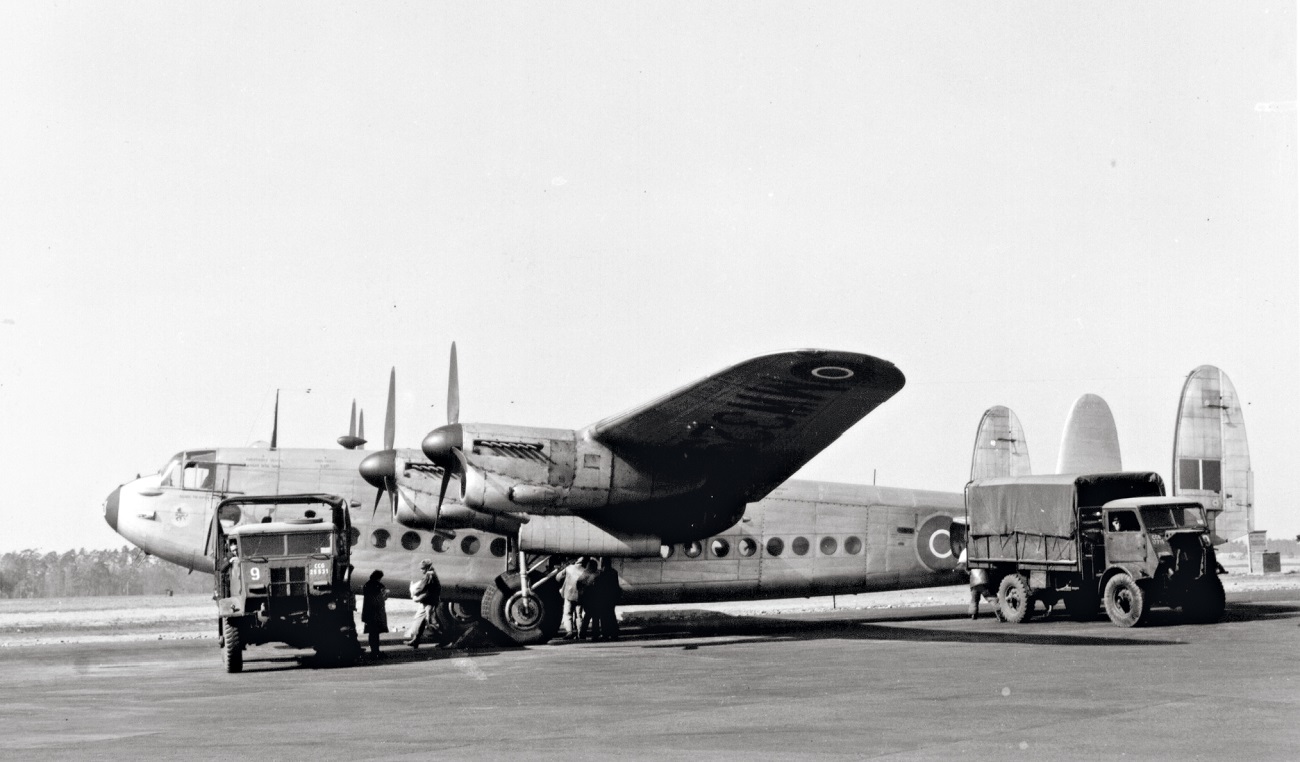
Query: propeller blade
(361, 429)
(442, 494)
(351, 441)
(389, 416)
(392, 497)
(464, 469)
(275, 421)
(375, 510)
(453, 389)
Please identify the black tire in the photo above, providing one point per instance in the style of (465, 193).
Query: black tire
(232, 647)
(1014, 599)
(1081, 605)
(1126, 602)
(1205, 601)
(516, 620)
(455, 617)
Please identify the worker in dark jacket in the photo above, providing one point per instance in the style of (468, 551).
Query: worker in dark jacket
(607, 585)
(373, 612)
(588, 599)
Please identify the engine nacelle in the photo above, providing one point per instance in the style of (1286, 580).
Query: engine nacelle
(453, 516)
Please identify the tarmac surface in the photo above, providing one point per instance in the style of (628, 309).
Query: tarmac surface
(920, 683)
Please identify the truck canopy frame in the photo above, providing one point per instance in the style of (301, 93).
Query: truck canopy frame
(1048, 505)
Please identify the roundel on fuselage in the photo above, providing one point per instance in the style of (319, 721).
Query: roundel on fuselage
(933, 548)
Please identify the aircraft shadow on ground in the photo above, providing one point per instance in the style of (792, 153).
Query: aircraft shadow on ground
(745, 628)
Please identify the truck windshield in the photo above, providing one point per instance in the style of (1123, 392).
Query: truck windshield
(296, 544)
(1172, 516)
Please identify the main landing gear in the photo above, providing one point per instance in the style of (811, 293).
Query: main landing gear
(520, 616)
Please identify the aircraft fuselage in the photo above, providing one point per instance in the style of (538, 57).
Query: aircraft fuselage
(805, 538)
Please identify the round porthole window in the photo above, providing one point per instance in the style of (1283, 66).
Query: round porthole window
(828, 545)
(692, 549)
(853, 546)
(775, 546)
(799, 546)
(470, 545)
(719, 548)
(438, 543)
(410, 540)
(746, 547)
(665, 552)
(498, 547)
(379, 538)
(354, 537)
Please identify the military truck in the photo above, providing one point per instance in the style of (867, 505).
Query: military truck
(1081, 539)
(284, 577)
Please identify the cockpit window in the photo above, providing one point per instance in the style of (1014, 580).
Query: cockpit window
(191, 470)
(199, 475)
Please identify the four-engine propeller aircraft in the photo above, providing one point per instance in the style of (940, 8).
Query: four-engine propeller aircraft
(688, 495)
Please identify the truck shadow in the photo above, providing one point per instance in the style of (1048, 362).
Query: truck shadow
(392, 651)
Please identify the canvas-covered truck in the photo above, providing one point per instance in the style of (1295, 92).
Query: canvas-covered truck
(284, 578)
(1082, 539)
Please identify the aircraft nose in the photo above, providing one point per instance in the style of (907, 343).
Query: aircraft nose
(110, 508)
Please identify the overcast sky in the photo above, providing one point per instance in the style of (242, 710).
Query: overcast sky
(1016, 203)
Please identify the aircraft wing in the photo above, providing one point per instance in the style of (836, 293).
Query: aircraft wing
(753, 425)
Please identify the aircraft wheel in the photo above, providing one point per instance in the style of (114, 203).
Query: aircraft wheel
(1204, 603)
(454, 617)
(1081, 605)
(1014, 599)
(232, 647)
(1126, 602)
(517, 620)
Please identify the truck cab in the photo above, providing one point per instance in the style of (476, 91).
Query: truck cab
(283, 577)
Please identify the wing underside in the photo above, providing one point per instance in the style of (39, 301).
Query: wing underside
(753, 425)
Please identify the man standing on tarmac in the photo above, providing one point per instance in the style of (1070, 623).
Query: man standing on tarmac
(608, 593)
(425, 591)
(568, 578)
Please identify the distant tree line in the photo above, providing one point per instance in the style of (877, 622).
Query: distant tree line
(126, 571)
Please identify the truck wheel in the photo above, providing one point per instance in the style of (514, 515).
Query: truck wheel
(232, 647)
(1014, 599)
(1204, 603)
(1126, 602)
(1081, 605)
(517, 620)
